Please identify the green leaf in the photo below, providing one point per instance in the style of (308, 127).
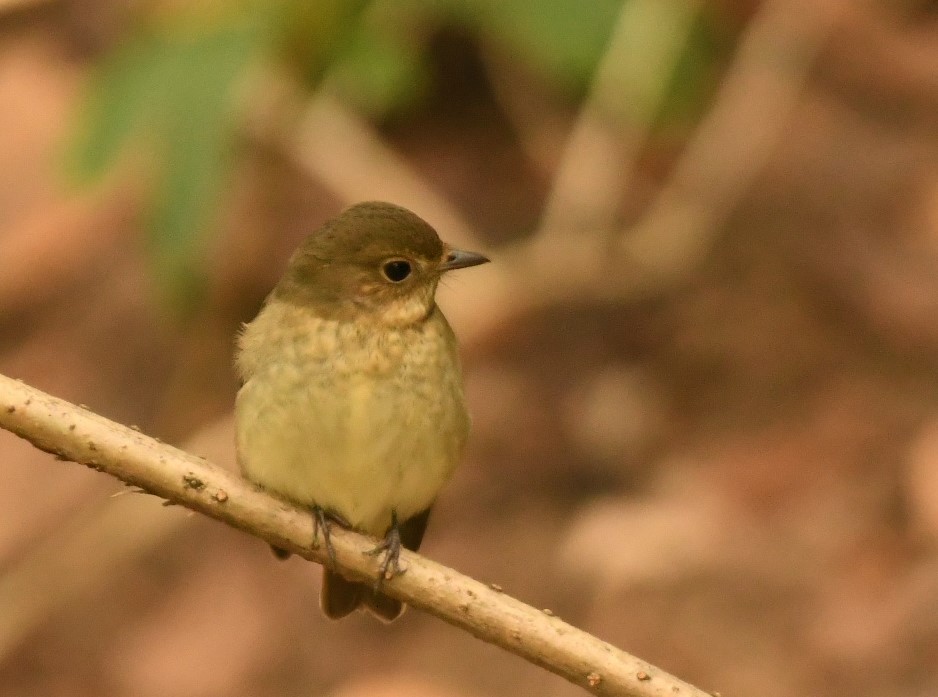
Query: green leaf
(697, 73)
(378, 72)
(562, 38)
(173, 95)
(116, 107)
(202, 79)
(309, 35)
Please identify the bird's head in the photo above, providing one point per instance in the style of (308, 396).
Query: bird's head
(374, 260)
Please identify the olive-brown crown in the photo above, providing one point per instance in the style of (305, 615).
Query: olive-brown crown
(370, 257)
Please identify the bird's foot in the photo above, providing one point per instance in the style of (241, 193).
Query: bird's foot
(321, 521)
(390, 547)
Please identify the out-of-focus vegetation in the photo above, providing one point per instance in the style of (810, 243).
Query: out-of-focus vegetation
(176, 89)
(701, 367)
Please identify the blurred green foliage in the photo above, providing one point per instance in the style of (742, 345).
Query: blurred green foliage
(174, 95)
(560, 39)
(173, 91)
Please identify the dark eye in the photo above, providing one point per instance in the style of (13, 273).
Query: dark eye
(397, 270)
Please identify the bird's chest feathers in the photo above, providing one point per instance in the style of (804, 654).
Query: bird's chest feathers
(349, 417)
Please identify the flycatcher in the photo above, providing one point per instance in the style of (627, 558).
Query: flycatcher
(352, 399)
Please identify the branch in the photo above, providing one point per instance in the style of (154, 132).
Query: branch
(735, 140)
(628, 88)
(730, 147)
(77, 434)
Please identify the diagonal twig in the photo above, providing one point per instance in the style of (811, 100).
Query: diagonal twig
(75, 433)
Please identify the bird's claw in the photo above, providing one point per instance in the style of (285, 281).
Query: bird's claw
(390, 547)
(321, 523)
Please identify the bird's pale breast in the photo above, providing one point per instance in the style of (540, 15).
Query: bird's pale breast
(352, 417)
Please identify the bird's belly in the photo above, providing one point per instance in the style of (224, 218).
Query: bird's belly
(360, 448)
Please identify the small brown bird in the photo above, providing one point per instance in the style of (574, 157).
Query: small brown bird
(352, 400)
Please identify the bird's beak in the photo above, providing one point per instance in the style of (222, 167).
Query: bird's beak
(458, 259)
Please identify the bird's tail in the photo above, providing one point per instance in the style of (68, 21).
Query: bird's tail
(339, 597)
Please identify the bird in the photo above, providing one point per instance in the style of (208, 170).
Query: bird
(351, 401)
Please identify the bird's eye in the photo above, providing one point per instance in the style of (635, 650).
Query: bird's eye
(397, 270)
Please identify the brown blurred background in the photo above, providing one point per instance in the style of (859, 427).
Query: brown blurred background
(703, 366)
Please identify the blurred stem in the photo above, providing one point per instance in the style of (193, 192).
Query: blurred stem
(77, 434)
(7, 6)
(628, 89)
(731, 145)
(344, 152)
(735, 140)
